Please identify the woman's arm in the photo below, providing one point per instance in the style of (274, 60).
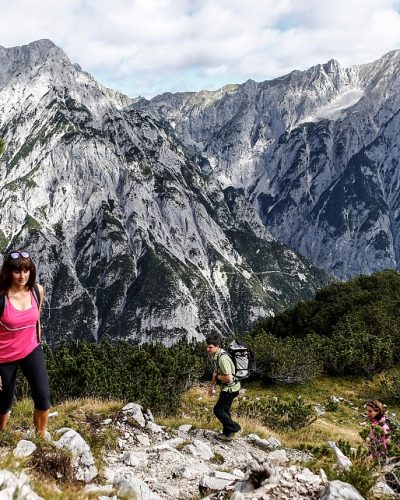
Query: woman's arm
(41, 293)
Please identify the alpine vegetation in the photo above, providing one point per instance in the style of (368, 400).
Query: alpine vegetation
(137, 238)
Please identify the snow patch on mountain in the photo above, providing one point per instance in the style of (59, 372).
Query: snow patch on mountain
(334, 110)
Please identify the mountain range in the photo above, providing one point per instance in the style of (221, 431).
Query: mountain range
(147, 220)
(315, 152)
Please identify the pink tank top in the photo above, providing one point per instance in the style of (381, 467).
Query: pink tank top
(18, 336)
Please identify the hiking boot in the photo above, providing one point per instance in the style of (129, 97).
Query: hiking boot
(234, 435)
(222, 437)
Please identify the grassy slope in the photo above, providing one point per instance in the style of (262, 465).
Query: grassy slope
(344, 423)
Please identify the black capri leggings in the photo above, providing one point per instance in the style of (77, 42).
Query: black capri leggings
(33, 367)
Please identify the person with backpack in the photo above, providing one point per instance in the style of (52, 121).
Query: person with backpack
(379, 434)
(21, 299)
(223, 375)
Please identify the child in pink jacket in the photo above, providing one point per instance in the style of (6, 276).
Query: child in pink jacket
(380, 431)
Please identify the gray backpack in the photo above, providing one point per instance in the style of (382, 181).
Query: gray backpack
(243, 359)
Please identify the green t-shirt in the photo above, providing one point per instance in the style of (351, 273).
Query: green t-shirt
(225, 367)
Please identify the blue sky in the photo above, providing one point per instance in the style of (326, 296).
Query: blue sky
(146, 47)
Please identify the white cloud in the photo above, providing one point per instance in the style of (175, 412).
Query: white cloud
(150, 46)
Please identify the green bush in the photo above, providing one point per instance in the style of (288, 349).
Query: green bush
(277, 413)
(152, 375)
(331, 405)
(355, 349)
(350, 329)
(289, 360)
(390, 386)
(363, 473)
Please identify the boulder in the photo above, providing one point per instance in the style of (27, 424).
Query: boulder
(72, 441)
(130, 487)
(155, 428)
(148, 415)
(16, 486)
(338, 490)
(199, 449)
(24, 448)
(193, 471)
(134, 411)
(135, 459)
(383, 490)
(83, 461)
(185, 428)
(170, 443)
(143, 439)
(267, 444)
(214, 483)
(342, 461)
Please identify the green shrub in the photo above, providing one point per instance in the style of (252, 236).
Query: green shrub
(277, 413)
(331, 405)
(362, 475)
(289, 360)
(390, 386)
(152, 375)
(354, 349)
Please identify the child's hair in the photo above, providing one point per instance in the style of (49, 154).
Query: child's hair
(378, 407)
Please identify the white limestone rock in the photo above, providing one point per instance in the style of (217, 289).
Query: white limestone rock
(342, 461)
(199, 449)
(149, 415)
(214, 483)
(16, 486)
(169, 444)
(193, 471)
(134, 411)
(143, 439)
(83, 461)
(278, 456)
(185, 428)
(136, 458)
(267, 444)
(129, 486)
(24, 448)
(154, 428)
(383, 490)
(338, 490)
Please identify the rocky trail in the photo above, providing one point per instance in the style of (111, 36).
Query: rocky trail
(150, 462)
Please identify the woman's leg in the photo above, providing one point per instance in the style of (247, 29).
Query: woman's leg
(8, 373)
(40, 419)
(34, 369)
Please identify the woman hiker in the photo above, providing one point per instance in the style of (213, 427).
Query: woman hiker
(22, 298)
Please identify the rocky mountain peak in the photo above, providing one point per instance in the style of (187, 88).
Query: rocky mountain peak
(23, 60)
(316, 153)
(134, 237)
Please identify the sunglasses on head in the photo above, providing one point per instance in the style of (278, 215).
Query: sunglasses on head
(16, 255)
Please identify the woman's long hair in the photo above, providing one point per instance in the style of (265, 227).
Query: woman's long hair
(10, 265)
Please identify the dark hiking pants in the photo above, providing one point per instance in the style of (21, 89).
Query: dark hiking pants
(222, 410)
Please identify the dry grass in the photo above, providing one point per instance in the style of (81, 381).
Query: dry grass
(50, 468)
(343, 424)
